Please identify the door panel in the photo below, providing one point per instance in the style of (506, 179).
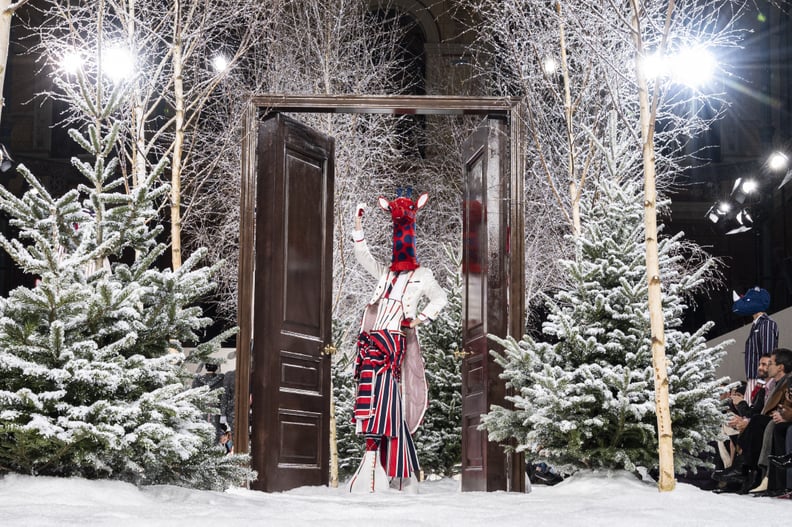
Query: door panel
(290, 377)
(486, 214)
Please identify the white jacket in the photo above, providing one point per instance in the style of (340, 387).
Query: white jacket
(414, 389)
(422, 283)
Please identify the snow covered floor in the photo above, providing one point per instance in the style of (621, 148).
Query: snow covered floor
(583, 500)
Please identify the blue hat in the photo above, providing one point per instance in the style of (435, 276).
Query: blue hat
(755, 300)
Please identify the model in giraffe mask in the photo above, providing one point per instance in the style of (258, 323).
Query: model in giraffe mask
(392, 392)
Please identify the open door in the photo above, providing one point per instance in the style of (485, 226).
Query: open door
(486, 269)
(290, 374)
(284, 280)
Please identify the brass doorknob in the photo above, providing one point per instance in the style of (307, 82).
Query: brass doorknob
(329, 349)
(462, 354)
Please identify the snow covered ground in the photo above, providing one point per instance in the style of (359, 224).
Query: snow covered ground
(582, 500)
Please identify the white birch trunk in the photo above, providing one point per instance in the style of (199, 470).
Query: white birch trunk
(138, 112)
(176, 162)
(333, 439)
(665, 439)
(574, 193)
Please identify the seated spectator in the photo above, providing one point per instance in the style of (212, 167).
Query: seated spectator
(752, 428)
(780, 462)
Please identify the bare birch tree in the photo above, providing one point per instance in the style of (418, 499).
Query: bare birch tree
(179, 52)
(329, 47)
(575, 63)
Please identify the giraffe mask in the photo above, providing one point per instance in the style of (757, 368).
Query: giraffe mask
(403, 211)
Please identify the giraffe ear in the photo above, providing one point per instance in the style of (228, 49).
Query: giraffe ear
(422, 199)
(383, 203)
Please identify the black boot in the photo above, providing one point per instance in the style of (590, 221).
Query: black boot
(781, 461)
(749, 482)
(731, 475)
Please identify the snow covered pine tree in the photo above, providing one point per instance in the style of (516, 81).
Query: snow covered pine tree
(88, 384)
(439, 439)
(585, 398)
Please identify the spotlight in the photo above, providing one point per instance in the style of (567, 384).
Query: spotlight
(742, 222)
(742, 188)
(220, 63)
(119, 63)
(728, 218)
(714, 214)
(750, 186)
(724, 207)
(549, 65)
(71, 62)
(777, 161)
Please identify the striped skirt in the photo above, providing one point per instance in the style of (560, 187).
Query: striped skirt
(378, 405)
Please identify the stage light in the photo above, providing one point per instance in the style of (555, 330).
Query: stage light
(71, 62)
(749, 186)
(742, 222)
(118, 63)
(220, 63)
(777, 162)
(549, 65)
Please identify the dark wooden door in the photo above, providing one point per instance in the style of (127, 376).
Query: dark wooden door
(290, 375)
(486, 269)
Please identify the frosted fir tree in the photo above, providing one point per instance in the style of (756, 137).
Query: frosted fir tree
(584, 398)
(91, 382)
(439, 438)
(344, 386)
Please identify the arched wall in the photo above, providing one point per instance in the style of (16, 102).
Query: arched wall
(420, 12)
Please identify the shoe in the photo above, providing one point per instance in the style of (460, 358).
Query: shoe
(761, 487)
(749, 482)
(724, 490)
(547, 478)
(781, 461)
(406, 485)
(774, 493)
(786, 495)
(370, 476)
(732, 475)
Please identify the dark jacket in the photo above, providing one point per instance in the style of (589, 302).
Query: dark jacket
(778, 397)
(756, 405)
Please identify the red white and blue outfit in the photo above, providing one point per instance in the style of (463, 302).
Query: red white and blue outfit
(392, 391)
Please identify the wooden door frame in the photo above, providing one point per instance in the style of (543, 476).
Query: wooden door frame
(502, 107)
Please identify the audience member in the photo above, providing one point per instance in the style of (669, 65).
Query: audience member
(752, 428)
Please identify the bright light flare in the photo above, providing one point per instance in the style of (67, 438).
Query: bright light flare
(724, 207)
(549, 65)
(71, 62)
(654, 66)
(692, 67)
(118, 63)
(220, 63)
(749, 186)
(778, 162)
